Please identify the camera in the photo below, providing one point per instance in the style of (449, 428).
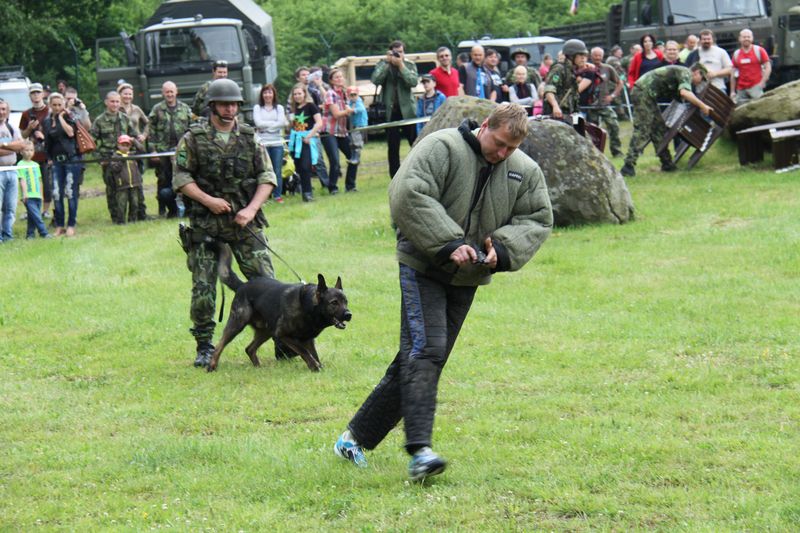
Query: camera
(395, 53)
(480, 255)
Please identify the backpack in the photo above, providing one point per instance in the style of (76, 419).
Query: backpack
(758, 50)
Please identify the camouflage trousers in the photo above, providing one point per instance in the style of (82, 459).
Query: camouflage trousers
(253, 259)
(648, 126)
(609, 118)
(126, 204)
(118, 217)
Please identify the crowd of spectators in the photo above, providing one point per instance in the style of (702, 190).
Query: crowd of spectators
(320, 116)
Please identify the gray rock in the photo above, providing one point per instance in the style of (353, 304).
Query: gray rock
(584, 186)
(778, 105)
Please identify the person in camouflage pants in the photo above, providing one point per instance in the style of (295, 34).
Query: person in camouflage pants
(607, 90)
(563, 87)
(169, 120)
(225, 177)
(106, 129)
(219, 71)
(664, 83)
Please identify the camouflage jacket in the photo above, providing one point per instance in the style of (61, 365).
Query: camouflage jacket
(231, 170)
(562, 82)
(665, 83)
(167, 126)
(107, 128)
(199, 103)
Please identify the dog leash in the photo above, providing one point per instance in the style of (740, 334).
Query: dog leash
(260, 238)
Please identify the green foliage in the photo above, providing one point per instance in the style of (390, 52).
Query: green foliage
(35, 32)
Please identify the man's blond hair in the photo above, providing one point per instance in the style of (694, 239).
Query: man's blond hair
(514, 115)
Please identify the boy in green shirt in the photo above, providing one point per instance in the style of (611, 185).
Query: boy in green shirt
(30, 191)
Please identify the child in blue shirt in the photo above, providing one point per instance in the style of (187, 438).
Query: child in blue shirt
(429, 102)
(358, 120)
(30, 189)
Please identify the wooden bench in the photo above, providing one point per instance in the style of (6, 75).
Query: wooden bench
(692, 129)
(785, 140)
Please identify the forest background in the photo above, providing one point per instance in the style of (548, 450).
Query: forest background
(49, 38)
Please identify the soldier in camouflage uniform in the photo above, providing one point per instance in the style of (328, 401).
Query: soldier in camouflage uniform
(563, 87)
(669, 82)
(106, 129)
(169, 120)
(607, 90)
(219, 71)
(225, 177)
(520, 56)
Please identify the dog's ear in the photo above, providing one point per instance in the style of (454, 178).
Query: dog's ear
(321, 285)
(338, 282)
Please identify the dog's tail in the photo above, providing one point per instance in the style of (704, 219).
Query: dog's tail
(226, 273)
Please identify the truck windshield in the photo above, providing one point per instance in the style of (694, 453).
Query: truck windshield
(692, 10)
(182, 47)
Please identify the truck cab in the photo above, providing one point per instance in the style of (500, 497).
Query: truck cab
(182, 50)
(676, 19)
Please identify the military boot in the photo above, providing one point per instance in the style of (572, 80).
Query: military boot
(627, 170)
(668, 166)
(204, 352)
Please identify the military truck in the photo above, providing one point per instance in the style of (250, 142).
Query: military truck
(180, 42)
(786, 35)
(775, 25)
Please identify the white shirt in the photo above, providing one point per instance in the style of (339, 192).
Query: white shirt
(715, 59)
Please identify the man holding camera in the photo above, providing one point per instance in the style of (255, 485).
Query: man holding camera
(466, 204)
(397, 78)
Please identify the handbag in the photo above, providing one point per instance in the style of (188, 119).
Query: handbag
(376, 112)
(83, 139)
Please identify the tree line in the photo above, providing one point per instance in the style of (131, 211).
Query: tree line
(56, 39)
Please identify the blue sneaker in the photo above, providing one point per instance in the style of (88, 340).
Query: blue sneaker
(425, 463)
(347, 448)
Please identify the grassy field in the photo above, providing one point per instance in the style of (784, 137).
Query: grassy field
(642, 376)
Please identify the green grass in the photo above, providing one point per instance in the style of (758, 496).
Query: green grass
(642, 376)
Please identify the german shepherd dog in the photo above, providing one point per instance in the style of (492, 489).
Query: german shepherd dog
(293, 314)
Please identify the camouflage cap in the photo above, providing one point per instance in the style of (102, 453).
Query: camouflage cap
(518, 51)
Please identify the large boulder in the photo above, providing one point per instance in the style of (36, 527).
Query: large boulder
(778, 105)
(584, 186)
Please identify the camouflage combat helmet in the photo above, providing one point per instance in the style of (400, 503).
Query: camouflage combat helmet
(224, 90)
(574, 47)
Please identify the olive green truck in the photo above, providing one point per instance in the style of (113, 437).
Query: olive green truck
(775, 25)
(180, 42)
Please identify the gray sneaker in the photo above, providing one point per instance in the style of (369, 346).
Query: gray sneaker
(425, 463)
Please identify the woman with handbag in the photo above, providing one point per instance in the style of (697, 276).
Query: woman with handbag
(62, 155)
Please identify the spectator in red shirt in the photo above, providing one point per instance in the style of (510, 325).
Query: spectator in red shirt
(752, 66)
(445, 75)
(643, 62)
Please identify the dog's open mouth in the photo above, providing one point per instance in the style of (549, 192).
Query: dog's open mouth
(338, 324)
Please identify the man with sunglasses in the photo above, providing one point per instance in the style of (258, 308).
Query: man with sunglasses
(445, 75)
